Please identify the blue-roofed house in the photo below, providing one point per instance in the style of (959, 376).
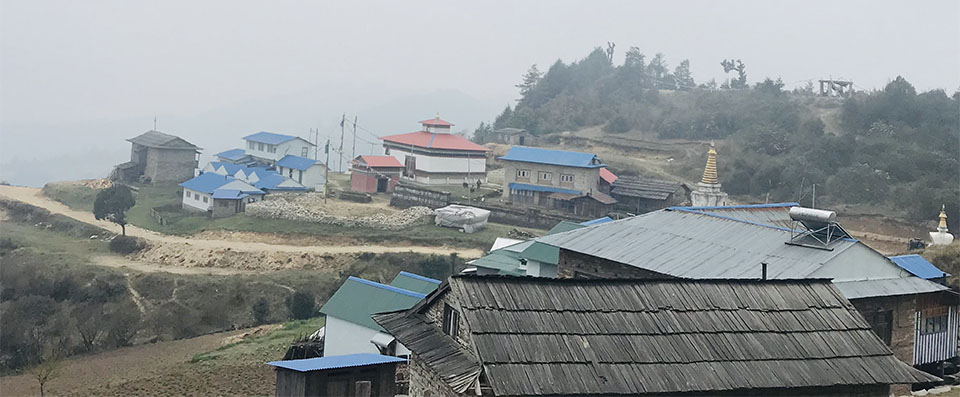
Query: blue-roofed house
(270, 147)
(562, 180)
(235, 156)
(337, 375)
(306, 171)
(262, 178)
(218, 195)
(349, 328)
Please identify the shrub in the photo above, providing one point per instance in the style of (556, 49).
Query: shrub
(261, 311)
(125, 245)
(302, 305)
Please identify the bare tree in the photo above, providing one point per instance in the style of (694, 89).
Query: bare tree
(46, 371)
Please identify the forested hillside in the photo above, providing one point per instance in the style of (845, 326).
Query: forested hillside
(894, 149)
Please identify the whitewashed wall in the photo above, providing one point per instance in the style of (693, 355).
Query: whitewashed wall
(194, 199)
(293, 146)
(343, 337)
(428, 163)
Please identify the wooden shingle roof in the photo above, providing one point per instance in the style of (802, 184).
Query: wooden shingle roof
(157, 139)
(647, 188)
(538, 336)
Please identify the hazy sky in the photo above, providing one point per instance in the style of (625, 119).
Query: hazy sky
(65, 62)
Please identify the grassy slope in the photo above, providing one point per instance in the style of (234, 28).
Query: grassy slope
(181, 223)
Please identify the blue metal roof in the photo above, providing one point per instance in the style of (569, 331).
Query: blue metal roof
(538, 188)
(232, 154)
(231, 168)
(918, 266)
(554, 157)
(334, 362)
(390, 288)
(269, 138)
(597, 221)
(270, 180)
(207, 182)
(296, 162)
(233, 194)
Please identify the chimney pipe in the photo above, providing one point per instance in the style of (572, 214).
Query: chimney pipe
(763, 267)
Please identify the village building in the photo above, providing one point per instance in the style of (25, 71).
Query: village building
(371, 375)
(236, 156)
(375, 174)
(708, 192)
(349, 329)
(638, 195)
(306, 171)
(435, 156)
(218, 195)
(942, 235)
(524, 336)
(561, 180)
(514, 136)
(916, 317)
(920, 267)
(158, 157)
(260, 177)
(269, 147)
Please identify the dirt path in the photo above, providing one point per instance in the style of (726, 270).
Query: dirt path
(121, 262)
(33, 196)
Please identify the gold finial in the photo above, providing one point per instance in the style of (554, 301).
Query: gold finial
(710, 171)
(943, 217)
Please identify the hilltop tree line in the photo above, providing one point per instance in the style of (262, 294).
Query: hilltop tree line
(894, 148)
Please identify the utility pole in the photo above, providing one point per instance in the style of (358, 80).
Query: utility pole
(814, 205)
(342, 121)
(326, 171)
(316, 144)
(353, 153)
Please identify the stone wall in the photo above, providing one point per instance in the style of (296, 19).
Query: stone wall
(424, 382)
(167, 165)
(574, 264)
(903, 322)
(539, 218)
(295, 207)
(406, 195)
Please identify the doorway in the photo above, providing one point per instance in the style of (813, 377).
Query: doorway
(382, 185)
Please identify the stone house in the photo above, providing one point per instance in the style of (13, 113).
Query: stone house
(523, 336)
(158, 157)
(562, 180)
(916, 317)
(638, 195)
(514, 136)
(349, 328)
(435, 156)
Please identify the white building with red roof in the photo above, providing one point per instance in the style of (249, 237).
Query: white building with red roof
(435, 156)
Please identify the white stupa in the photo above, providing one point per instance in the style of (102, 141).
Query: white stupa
(941, 237)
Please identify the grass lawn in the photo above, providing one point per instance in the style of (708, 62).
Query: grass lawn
(73, 195)
(182, 223)
(270, 346)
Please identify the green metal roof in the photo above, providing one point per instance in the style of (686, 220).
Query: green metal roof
(543, 253)
(357, 299)
(507, 262)
(564, 226)
(415, 283)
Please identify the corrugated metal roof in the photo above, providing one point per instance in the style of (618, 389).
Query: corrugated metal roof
(539, 188)
(207, 182)
(888, 287)
(564, 226)
(157, 139)
(436, 122)
(357, 299)
(296, 162)
(918, 266)
(597, 221)
(334, 362)
(271, 138)
(431, 140)
(230, 194)
(774, 214)
(608, 176)
(381, 161)
(415, 283)
(503, 261)
(232, 154)
(697, 245)
(554, 157)
(652, 189)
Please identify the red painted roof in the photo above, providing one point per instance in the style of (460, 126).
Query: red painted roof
(431, 140)
(381, 161)
(607, 176)
(436, 122)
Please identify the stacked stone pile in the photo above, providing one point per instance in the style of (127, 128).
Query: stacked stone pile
(291, 209)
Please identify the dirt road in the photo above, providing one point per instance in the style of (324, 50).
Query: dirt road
(120, 262)
(33, 196)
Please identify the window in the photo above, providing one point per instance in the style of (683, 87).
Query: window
(304, 151)
(882, 324)
(250, 145)
(386, 151)
(545, 176)
(933, 321)
(196, 196)
(521, 196)
(186, 194)
(523, 174)
(451, 320)
(566, 178)
(260, 147)
(272, 148)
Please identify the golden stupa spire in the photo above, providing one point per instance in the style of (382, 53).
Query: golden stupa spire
(710, 171)
(943, 217)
